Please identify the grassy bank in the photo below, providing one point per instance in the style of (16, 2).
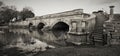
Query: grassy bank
(78, 51)
(67, 51)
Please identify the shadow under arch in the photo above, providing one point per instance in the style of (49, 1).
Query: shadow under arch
(40, 26)
(30, 25)
(60, 26)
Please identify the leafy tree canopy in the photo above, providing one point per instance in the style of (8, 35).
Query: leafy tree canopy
(26, 13)
(7, 13)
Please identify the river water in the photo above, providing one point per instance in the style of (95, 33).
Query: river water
(29, 40)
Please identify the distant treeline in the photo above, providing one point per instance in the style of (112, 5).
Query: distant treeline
(10, 13)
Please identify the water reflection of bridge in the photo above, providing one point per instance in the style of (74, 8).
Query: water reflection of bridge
(56, 37)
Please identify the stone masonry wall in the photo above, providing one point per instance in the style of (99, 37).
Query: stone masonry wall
(113, 31)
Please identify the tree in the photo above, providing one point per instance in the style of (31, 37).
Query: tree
(1, 3)
(26, 13)
(6, 13)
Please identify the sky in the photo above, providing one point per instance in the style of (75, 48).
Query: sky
(43, 7)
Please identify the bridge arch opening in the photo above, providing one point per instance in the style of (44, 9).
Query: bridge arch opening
(62, 26)
(30, 25)
(40, 26)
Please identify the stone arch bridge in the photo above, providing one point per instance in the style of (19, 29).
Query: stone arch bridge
(76, 20)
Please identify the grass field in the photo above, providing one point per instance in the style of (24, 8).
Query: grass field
(67, 51)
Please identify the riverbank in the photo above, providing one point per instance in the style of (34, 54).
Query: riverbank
(84, 51)
(67, 51)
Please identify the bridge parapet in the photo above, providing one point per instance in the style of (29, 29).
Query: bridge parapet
(63, 14)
